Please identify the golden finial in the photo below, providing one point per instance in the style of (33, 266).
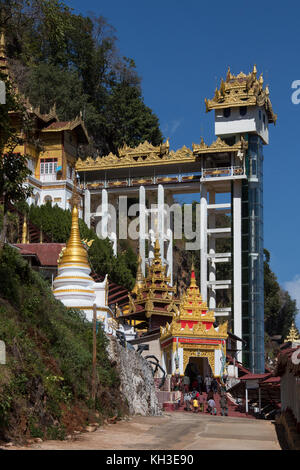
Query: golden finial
(156, 249)
(261, 80)
(254, 71)
(228, 76)
(75, 253)
(293, 335)
(24, 230)
(267, 91)
(222, 87)
(140, 280)
(193, 277)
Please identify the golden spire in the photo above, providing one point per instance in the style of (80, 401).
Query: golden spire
(75, 253)
(156, 250)
(24, 231)
(140, 280)
(193, 277)
(293, 335)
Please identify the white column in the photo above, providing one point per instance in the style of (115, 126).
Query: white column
(170, 255)
(169, 237)
(152, 215)
(212, 251)
(104, 213)
(87, 207)
(112, 224)
(237, 262)
(203, 241)
(246, 397)
(161, 220)
(142, 231)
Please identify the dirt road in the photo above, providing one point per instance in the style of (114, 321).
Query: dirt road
(173, 431)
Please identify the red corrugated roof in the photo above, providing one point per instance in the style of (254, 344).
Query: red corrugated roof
(271, 380)
(47, 253)
(57, 125)
(255, 376)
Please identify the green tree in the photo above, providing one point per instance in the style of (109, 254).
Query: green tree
(72, 60)
(280, 309)
(56, 222)
(13, 166)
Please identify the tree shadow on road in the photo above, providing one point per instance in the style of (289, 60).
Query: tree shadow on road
(280, 432)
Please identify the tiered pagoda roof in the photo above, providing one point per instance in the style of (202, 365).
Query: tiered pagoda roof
(153, 300)
(242, 90)
(293, 336)
(193, 318)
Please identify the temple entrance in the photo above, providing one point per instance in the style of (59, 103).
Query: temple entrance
(197, 366)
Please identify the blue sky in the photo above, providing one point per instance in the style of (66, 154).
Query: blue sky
(182, 49)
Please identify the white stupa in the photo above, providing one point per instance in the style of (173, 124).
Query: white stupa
(74, 286)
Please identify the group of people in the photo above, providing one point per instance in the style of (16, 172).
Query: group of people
(192, 394)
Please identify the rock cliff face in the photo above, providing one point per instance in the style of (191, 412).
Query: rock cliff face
(137, 382)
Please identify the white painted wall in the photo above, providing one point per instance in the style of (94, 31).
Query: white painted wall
(253, 121)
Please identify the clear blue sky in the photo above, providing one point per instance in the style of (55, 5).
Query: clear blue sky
(182, 49)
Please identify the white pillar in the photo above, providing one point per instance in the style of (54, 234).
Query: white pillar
(87, 207)
(161, 220)
(170, 255)
(203, 241)
(108, 222)
(169, 236)
(142, 231)
(212, 251)
(237, 262)
(152, 217)
(246, 397)
(104, 213)
(112, 224)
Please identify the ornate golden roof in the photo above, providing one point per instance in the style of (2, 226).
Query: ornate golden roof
(193, 309)
(293, 335)
(148, 155)
(74, 252)
(152, 295)
(242, 90)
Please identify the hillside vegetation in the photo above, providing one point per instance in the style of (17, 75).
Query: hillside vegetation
(45, 386)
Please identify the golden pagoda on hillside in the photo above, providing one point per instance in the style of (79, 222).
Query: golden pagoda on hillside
(293, 336)
(192, 337)
(153, 300)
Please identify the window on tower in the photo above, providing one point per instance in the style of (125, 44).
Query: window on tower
(48, 166)
(243, 110)
(226, 112)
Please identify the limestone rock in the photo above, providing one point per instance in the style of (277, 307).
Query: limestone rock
(137, 382)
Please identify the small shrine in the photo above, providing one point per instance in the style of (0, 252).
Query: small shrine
(152, 301)
(73, 285)
(293, 336)
(191, 338)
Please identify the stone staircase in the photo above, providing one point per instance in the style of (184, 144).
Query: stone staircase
(233, 409)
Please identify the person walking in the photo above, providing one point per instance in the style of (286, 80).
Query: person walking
(200, 383)
(214, 385)
(207, 382)
(211, 408)
(195, 405)
(224, 404)
(186, 383)
(200, 403)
